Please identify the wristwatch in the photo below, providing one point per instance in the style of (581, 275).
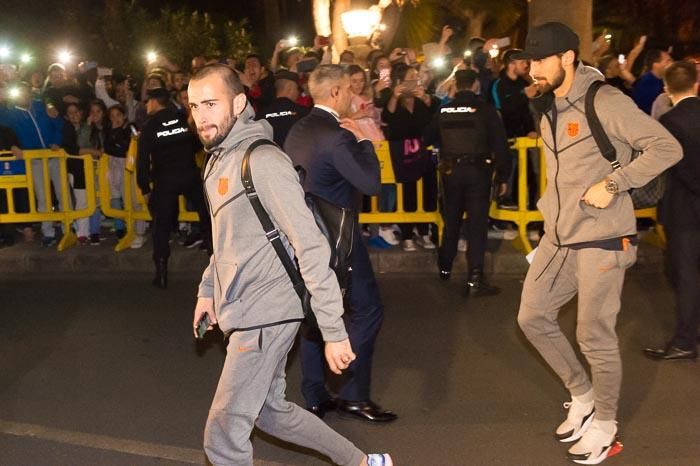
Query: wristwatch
(611, 186)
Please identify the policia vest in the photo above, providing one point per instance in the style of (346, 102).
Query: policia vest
(463, 132)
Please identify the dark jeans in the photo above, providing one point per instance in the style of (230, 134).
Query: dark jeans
(467, 189)
(410, 203)
(684, 252)
(164, 209)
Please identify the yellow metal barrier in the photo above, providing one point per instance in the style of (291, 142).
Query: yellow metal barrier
(420, 215)
(44, 160)
(135, 208)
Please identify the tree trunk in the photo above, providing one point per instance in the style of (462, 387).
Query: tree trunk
(476, 22)
(322, 17)
(577, 14)
(340, 39)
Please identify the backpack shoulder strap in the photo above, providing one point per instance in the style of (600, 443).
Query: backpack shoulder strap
(601, 138)
(272, 233)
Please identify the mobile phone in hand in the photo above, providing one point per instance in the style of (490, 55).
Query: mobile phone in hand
(202, 326)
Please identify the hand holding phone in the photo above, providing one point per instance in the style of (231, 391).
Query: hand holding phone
(202, 326)
(204, 316)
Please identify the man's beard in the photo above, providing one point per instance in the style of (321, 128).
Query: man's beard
(222, 130)
(556, 82)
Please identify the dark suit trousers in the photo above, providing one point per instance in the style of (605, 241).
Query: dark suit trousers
(684, 251)
(467, 189)
(365, 318)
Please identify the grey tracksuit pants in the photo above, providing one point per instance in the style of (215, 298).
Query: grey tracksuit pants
(597, 276)
(251, 392)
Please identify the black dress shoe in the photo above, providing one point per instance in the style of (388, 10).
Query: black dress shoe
(671, 353)
(477, 285)
(365, 410)
(322, 408)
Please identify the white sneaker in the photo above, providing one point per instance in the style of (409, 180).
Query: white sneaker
(426, 242)
(462, 245)
(388, 235)
(596, 445)
(577, 421)
(379, 459)
(138, 242)
(409, 245)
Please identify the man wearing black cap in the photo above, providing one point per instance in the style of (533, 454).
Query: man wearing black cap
(470, 134)
(166, 159)
(283, 112)
(510, 94)
(590, 232)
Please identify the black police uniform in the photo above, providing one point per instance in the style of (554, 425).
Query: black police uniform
(470, 134)
(282, 113)
(167, 159)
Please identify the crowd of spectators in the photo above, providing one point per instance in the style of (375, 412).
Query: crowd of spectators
(93, 110)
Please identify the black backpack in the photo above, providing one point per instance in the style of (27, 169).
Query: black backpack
(642, 197)
(336, 223)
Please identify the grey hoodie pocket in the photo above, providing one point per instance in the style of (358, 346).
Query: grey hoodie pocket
(226, 281)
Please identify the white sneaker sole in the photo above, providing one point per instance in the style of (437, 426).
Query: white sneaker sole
(577, 434)
(386, 460)
(607, 452)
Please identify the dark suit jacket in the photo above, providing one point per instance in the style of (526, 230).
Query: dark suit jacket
(681, 202)
(337, 165)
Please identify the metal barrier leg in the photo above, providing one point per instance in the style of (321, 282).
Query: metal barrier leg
(69, 238)
(522, 242)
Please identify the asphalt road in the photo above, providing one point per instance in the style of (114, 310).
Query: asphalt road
(102, 370)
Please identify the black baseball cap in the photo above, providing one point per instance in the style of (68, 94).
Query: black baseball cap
(546, 40)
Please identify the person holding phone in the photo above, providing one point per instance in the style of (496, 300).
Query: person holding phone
(408, 111)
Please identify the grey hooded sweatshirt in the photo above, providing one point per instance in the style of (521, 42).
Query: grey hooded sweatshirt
(245, 277)
(574, 162)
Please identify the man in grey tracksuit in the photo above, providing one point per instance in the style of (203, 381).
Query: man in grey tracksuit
(246, 289)
(590, 232)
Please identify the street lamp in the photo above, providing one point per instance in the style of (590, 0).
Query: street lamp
(360, 23)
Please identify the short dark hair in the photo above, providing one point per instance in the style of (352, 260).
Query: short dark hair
(354, 69)
(465, 79)
(652, 56)
(225, 72)
(680, 77)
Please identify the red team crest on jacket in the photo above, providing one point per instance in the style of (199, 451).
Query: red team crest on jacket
(223, 186)
(572, 129)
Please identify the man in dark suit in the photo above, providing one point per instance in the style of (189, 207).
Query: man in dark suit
(680, 210)
(340, 165)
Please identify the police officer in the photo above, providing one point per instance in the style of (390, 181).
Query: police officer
(283, 112)
(470, 134)
(166, 159)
